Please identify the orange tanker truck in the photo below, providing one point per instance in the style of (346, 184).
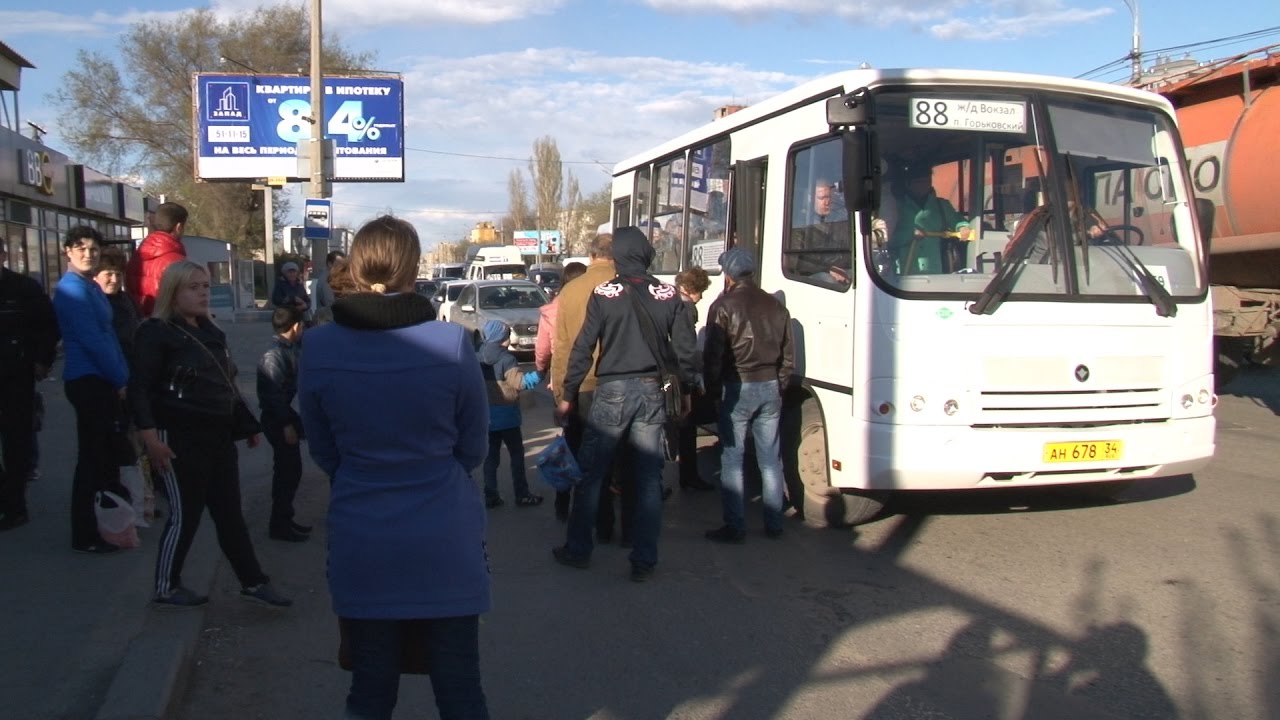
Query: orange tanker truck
(1229, 114)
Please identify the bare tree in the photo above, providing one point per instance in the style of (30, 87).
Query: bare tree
(547, 175)
(518, 215)
(574, 224)
(134, 117)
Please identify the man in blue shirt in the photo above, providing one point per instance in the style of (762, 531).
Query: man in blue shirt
(95, 376)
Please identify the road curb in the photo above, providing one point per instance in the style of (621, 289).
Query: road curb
(157, 663)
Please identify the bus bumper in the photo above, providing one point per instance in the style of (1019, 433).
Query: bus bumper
(904, 457)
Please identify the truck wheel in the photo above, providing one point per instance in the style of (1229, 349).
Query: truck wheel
(1229, 357)
(812, 495)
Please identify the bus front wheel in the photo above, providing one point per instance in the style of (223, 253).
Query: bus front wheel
(812, 495)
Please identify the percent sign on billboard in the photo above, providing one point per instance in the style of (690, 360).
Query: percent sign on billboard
(248, 126)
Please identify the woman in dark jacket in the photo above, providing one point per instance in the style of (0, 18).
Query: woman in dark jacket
(184, 405)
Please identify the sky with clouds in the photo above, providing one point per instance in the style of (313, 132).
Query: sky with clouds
(609, 78)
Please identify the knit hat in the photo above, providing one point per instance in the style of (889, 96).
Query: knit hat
(288, 266)
(495, 331)
(737, 263)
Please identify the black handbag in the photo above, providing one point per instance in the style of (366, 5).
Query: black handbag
(413, 643)
(672, 394)
(244, 424)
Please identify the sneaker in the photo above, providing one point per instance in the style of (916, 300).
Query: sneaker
(9, 521)
(179, 597)
(493, 501)
(726, 534)
(288, 535)
(641, 573)
(99, 548)
(300, 528)
(264, 594)
(773, 533)
(564, 557)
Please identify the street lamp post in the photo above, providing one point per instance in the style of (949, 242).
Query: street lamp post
(1135, 55)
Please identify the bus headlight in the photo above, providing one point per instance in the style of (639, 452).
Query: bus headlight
(1204, 396)
(1187, 402)
(950, 407)
(885, 408)
(917, 403)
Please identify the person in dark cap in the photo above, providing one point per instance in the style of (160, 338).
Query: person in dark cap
(629, 398)
(748, 362)
(290, 291)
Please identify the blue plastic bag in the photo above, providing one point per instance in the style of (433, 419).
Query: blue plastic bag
(557, 465)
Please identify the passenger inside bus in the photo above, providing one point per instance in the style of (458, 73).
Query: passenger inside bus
(821, 249)
(927, 226)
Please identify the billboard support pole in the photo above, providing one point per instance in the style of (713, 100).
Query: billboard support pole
(268, 233)
(317, 188)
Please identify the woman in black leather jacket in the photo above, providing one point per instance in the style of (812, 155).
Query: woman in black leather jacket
(184, 405)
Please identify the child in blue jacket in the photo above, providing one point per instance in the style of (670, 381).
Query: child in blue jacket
(504, 381)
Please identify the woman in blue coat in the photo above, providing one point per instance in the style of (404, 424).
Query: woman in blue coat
(395, 411)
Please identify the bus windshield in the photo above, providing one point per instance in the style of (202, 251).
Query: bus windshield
(1044, 195)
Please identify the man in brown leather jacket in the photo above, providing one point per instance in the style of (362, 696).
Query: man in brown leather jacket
(748, 362)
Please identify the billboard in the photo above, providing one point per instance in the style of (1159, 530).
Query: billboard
(537, 242)
(247, 127)
(526, 240)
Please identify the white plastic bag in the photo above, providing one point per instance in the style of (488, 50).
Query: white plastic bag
(115, 519)
(131, 478)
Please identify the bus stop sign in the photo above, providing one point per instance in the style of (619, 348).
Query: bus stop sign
(318, 219)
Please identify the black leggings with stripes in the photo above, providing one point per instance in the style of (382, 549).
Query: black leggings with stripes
(204, 474)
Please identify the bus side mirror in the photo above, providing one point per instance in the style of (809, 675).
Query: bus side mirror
(861, 171)
(1205, 214)
(852, 110)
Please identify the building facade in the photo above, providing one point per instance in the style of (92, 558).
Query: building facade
(44, 193)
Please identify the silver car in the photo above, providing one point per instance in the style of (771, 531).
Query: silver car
(514, 302)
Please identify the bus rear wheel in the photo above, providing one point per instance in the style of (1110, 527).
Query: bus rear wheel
(820, 504)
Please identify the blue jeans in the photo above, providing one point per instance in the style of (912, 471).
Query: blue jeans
(756, 406)
(514, 440)
(632, 408)
(453, 652)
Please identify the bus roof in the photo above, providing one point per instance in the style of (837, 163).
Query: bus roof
(850, 80)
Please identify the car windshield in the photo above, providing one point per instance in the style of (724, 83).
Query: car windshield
(511, 297)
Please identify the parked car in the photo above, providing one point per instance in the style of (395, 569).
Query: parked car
(425, 287)
(547, 276)
(514, 302)
(446, 296)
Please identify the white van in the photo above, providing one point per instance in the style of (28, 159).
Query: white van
(497, 263)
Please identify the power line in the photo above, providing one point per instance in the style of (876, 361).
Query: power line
(436, 212)
(497, 157)
(1116, 64)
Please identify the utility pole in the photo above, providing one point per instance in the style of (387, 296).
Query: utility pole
(317, 188)
(1135, 55)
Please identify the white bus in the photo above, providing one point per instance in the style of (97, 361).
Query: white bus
(1024, 322)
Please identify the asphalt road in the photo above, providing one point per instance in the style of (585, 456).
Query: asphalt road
(994, 605)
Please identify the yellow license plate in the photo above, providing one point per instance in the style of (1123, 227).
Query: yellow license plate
(1091, 451)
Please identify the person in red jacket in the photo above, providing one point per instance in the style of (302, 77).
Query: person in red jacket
(161, 248)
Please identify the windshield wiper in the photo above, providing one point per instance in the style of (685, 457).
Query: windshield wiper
(1147, 282)
(996, 291)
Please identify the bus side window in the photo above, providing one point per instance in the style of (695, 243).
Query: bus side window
(818, 246)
